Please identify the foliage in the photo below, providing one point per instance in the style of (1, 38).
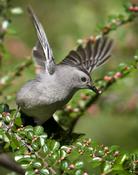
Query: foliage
(39, 154)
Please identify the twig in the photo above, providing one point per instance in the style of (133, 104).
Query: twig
(114, 24)
(7, 79)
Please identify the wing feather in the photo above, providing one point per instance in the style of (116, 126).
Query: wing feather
(42, 52)
(91, 56)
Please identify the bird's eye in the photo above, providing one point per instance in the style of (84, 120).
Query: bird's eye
(83, 79)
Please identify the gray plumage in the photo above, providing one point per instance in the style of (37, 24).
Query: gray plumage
(55, 85)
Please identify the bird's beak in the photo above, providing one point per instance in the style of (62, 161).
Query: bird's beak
(93, 88)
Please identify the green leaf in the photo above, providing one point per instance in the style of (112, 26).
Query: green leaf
(107, 167)
(36, 145)
(79, 165)
(38, 130)
(53, 145)
(96, 162)
(30, 135)
(64, 165)
(30, 172)
(18, 120)
(44, 171)
(79, 172)
(37, 164)
(3, 108)
(29, 128)
(45, 148)
(23, 159)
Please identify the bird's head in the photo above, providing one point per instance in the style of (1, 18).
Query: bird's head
(75, 79)
(83, 80)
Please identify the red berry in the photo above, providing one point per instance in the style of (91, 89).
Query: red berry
(118, 75)
(6, 114)
(72, 166)
(133, 8)
(84, 97)
(69, 108)
(107, 78)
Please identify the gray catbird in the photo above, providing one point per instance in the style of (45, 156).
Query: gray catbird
(55, 85)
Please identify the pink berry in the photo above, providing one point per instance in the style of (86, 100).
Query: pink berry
(118, 75)
(107, 78)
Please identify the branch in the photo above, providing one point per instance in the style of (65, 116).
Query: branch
(114, 23)
(10, 164)
(7, 79)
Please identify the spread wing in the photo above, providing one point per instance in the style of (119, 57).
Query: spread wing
(91, 56)
(42, 52)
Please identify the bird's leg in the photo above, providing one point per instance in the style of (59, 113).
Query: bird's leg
(53, 129)
(27, 120)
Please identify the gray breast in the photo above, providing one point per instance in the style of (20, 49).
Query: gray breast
(40, 99)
